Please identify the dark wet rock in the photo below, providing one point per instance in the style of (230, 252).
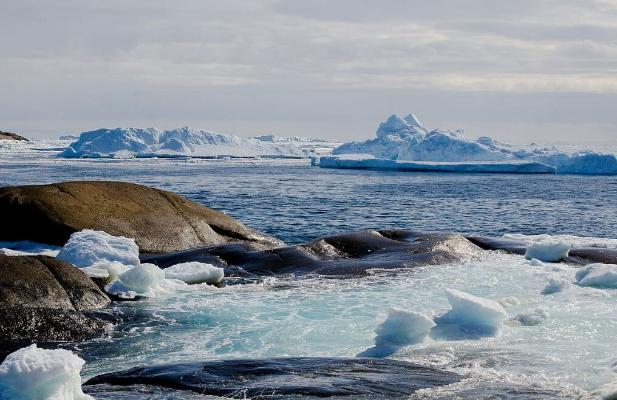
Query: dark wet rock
(11, 136)
(578, 255)
(349, 254)
(46, 300)
(282, 378)
(159, 221)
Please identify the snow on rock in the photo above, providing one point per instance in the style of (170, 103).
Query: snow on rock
(401, 328)
(85, 248)
(548, 251)
(470, 316)
(536, 317)
(151, 142)
(555, 285)
(32, 373)
(144, 280)
(195, 272)
(597, 275)
(405, 139)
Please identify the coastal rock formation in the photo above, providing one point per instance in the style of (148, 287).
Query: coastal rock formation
(159, 221)
(43, 299)
(282, 378)
(349, 254)
(11, 136)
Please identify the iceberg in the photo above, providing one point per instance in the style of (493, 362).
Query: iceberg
(401, 140)
(188, 142)
(548, 251)
(470, 316)
(401, 328)
(32, 373)
(195, 272)
(598, 276)
(87, 247)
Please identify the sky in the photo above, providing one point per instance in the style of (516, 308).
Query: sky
(519, 71)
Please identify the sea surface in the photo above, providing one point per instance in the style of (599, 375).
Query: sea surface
(573, 350)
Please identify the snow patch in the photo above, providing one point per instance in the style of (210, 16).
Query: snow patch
(195, 272)
(32, 373)
(85, 248)
(547, 251)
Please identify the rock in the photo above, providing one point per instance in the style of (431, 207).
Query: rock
(577, 255)
(159, 221)
(11, 136)
(279, 378)
(349, 254)
(46, 300)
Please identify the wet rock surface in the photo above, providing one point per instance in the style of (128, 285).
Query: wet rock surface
(348, 254)
(159, 221)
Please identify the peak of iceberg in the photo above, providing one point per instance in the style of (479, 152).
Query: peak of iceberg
(412, 120)
(392, 126)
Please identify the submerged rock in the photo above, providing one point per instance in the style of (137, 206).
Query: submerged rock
(280, 378)
(349, 254)
(43, 300)
(159, 221)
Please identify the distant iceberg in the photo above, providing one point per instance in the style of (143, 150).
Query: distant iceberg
(405, 144)
(188, 142)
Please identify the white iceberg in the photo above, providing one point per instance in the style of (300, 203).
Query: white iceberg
(401, 328)
(597, 275)
(87, 247)
(405, 139)
(195, 272)
(188, 142)
(548, 251)
(144, 280)
(32, 373)
(470, 316)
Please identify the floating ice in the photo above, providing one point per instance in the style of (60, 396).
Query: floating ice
(576, 241)
(401, 328)
(195, 272)
(404, 139)
(509, 301)
(27, 248)
(598, 275)
(537, 317)
(87, 247)
(555, 285)
(144, 280)
(136, 142)
(113, 269)
(470, 316)
(38, 374)
(534, 262)
(547, 251)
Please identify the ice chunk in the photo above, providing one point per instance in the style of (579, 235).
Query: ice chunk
(555, 285)
(195, 272)
(470, 316)
(401, 328)
(548, 251)
(598, 275)
(27, 248)
(534, 262)
(536, 317)
(87, 247)
(144, 280)
(509, 301)
(32, 373)
(114, 269)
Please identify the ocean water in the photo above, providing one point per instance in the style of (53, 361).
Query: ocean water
(573, 350)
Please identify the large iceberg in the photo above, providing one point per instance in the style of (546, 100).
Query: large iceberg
(183, 142)
(402, 140)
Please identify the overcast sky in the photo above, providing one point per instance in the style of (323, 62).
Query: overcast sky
(541, 70)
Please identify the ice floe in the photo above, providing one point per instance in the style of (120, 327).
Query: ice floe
(32, 373)
(598, 276)
(195, 272)
(548, 251)
(85, 248)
